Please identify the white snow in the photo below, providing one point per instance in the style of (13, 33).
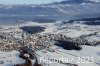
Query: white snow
(10, 58)
(93, 53)
(72, 30)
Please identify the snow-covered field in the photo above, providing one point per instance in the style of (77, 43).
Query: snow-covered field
(10, 58)
(88, 56)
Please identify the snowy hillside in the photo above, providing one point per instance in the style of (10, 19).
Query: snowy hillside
(65, 33)
(10, 58)
(59, 11)
(87, 56)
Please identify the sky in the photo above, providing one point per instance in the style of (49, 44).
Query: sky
(12, 2)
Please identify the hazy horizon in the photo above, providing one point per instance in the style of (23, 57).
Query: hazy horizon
(19, 2)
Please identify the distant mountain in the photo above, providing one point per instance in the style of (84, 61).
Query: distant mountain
(27, 10)
(88, 21)
(78, 1)
(75, 1)
(62, 11)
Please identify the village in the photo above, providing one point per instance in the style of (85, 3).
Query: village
(12, 38)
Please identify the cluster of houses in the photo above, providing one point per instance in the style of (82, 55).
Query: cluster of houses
(43, 41)
(38, 41)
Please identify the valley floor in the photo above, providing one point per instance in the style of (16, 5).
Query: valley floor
(88, 56)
